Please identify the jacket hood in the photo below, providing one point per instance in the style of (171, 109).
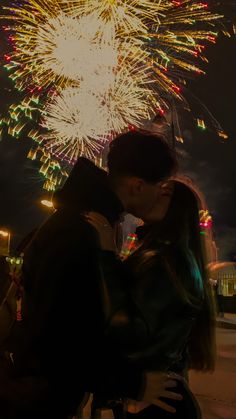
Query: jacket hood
(87, 189)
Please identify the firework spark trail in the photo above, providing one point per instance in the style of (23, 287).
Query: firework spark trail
(79, 120)
(126, 16)
(55, 41)
(64, 49)
(114, 57)
(75, 119)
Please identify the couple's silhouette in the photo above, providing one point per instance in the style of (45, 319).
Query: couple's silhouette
(125, 331)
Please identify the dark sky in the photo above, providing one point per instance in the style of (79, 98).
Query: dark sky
(212, 162)
(209, 160)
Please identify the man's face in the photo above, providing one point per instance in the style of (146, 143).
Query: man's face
(142, 197)
(161, 206)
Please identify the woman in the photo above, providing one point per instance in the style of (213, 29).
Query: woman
(169, 285)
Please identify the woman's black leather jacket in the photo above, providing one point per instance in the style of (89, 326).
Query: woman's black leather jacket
(154, 333)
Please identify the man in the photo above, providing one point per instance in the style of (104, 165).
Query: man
(64, 313)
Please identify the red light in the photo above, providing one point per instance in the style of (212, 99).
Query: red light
(212, 39)
(176, 88)
(7, 57)
(203, 5)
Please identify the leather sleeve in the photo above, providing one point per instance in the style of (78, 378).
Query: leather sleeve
(153, 323)
(124, 322)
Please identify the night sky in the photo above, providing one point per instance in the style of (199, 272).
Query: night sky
(209, 160)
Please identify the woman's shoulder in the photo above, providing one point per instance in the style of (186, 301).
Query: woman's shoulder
(148, 265)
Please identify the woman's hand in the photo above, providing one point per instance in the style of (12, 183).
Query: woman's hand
(105, 231)
(160, 384)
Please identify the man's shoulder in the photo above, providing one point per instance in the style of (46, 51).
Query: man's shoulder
(69, 228)
(64, 219)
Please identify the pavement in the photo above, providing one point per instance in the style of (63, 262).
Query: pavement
(228, 321)
(216, 392)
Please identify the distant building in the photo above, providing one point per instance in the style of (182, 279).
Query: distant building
(225, 275)
(225, 272)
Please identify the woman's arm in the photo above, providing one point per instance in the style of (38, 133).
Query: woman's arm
(125, 324)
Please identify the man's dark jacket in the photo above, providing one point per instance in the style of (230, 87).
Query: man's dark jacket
(64, 314)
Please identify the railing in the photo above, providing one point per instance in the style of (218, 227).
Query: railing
(227, 286)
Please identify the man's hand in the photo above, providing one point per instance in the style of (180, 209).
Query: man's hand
(157, 385)
(104, 229)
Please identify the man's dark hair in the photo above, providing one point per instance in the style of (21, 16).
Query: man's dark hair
(141, 154)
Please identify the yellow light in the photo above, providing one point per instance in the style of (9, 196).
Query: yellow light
(201, 123)
(4, 233)
(47, 203)
(223, 135)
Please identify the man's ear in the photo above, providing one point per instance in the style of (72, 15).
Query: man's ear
(136, 185)
(167, 188)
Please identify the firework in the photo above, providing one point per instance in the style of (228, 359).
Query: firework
(79, 121)
(74, 49)
(62, 50)
(76, 121)
(127, 16)
(178, 44)
(52, 48)
(108, 63)
(130, 103)
(56, 42)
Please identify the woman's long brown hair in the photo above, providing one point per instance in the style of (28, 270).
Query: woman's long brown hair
(181, 227)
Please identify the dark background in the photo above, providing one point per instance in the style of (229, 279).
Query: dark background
(208, 159)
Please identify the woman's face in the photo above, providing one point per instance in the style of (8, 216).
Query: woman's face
(159, 210)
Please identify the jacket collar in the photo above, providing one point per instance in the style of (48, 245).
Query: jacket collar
(87, 189)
